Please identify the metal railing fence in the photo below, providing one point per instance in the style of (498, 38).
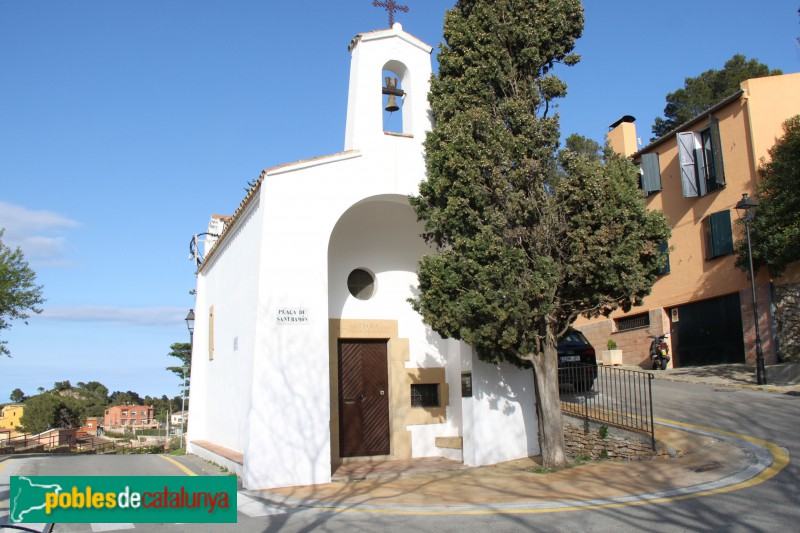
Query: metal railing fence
(52, 444)
(614, 396)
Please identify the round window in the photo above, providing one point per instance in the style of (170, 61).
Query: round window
(361, 284)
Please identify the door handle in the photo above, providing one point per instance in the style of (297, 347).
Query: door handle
(349, 402)
(362, 397)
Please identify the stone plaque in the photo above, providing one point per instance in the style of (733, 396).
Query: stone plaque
(367, 328)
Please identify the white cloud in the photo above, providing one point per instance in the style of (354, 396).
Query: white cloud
(36, 233)
(131, 316)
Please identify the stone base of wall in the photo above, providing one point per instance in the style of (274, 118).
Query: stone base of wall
(616, 445)
(787, 320)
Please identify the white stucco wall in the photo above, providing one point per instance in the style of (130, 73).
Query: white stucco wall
(289, 440)
(500, 419)
(406, 56)
(221, 388)
(291, 365)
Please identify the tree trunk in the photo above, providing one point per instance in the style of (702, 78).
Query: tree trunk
(551, 437)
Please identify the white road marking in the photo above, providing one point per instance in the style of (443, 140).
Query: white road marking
(254, 508)
(97, 528)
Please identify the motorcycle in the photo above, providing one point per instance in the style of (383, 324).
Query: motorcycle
(659, 351)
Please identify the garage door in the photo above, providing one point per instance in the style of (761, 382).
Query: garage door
(707, 332)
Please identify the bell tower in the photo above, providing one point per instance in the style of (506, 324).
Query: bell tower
(393, 64)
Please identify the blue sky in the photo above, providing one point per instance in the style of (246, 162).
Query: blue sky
(125, 124)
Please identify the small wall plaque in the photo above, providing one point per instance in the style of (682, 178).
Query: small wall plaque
(293, 316)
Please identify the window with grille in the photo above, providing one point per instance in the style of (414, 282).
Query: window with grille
(425, 395)
(466, 385)
(632, 322)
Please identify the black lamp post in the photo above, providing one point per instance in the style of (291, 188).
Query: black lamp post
(190, 323)
(746, 209)
(190, 326)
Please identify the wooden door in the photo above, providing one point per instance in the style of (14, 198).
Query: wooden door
(363, 398)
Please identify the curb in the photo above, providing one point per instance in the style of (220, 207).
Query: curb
(766, 460)
(781, 389)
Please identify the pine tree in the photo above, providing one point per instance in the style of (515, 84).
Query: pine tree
(706, 90)
(526, 241)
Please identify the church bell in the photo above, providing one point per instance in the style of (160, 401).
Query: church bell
(393, 92)
(391, 104)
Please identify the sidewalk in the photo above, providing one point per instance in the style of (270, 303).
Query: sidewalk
(708, 461)
(783, 378)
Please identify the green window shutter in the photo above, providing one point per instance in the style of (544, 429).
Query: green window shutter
(716, 147)
(707, 237)
(663, 248)
(686, 154)
(651, 174)
(718, 234)
(723, 236)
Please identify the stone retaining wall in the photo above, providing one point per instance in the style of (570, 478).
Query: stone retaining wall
(787, 319)
(617, 444)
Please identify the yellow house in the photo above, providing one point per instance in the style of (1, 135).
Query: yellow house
(11, 415)
(696, 174)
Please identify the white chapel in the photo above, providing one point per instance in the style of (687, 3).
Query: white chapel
(306, 353)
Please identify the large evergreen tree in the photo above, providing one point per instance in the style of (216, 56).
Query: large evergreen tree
(525, 242)
(707, 90)
(775, 230)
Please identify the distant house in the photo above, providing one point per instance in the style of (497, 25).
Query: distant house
(55, 437)
(176, 419)
(11, 416)
(129, 416)
(90, 426)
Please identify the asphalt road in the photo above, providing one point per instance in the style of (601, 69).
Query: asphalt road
(769, 506)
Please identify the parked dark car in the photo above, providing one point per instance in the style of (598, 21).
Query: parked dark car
(577, 361)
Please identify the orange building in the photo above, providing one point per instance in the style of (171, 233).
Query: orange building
(696, 174)
(124, 416)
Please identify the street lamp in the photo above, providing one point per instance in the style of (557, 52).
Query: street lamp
(190, 323)
(190, 326)
(746, 209)
(183, 405)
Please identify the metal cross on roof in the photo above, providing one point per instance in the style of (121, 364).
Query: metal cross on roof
(391, 7)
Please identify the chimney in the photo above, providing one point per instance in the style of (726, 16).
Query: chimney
(215, 228)
(622, 136)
